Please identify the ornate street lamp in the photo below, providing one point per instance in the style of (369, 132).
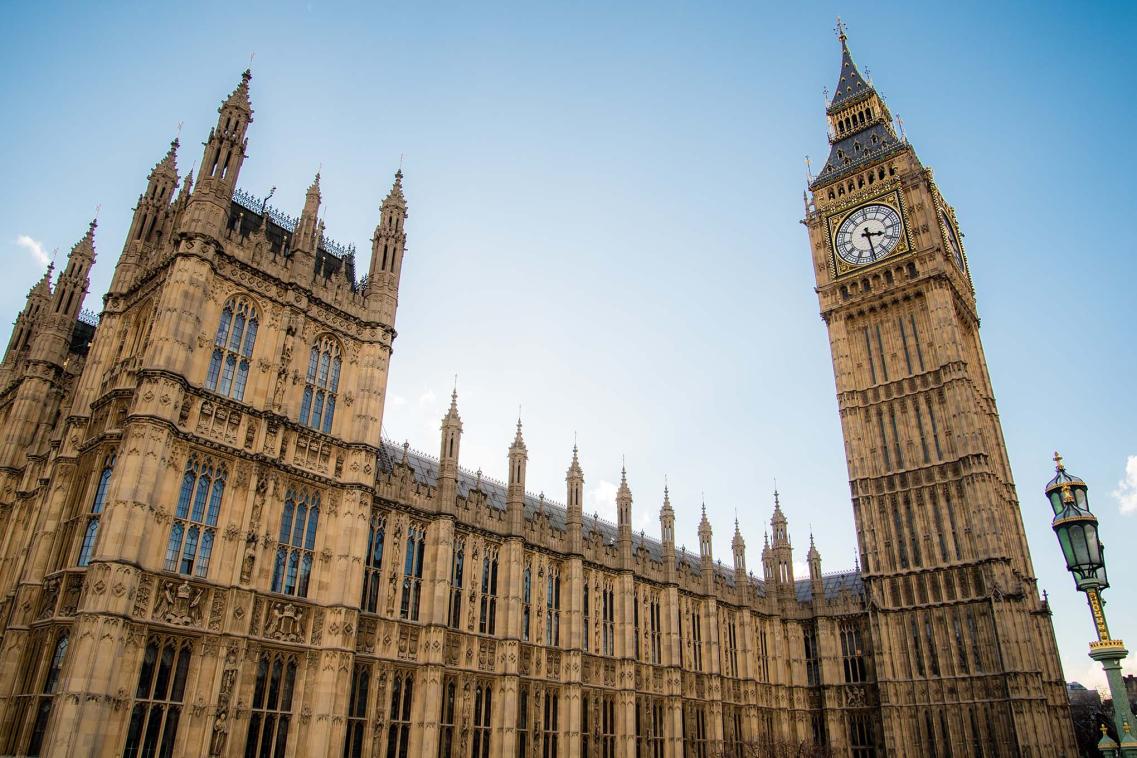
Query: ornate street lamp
(1077, 530)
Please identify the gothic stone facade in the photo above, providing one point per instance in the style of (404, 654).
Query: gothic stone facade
(208, 549)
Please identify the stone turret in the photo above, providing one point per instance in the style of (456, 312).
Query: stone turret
(221, 162)
(451, 429)
(388, 244)
(624, 519)
(706, 554)
(574, 503)
(781, 551)
(515, 496)
(152, 222)
(667, 534)
(814, 559)
(738, 548)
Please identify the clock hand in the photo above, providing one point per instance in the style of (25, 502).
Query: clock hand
(868, 236)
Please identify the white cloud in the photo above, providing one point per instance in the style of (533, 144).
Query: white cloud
(601, 499)
(426, 399)
(1091, 675)
(396, 401)
(1126, 492)
(35, 248)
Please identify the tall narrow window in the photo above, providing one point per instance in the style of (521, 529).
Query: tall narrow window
(731, 647)
(812, 666)
(297, 545)
(412, 573)
(917, 652)
(916, 342)
(696, 639)
(399, 730)
(92, 530)
(526, 602)
(861, 737)
(553, 608)
(446, 719)
(933, 655)
(318, 405)
(852, 657)
(523, 720)
(158, 699)
(233, 349)
(487, 616)
(550, 727)
(636, 622)
(586, 627)
(608, 620)
(373, 562)
(763, 658)
(457, 569)
(655, 637)
(357, 711)
(271, 713)
(695, 730)
(598, 727)
(880, 351)
(649, 727)
(483, 715)
(195, 518)
(47, 694)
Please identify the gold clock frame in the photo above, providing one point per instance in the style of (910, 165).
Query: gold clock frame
(947, 212)
(893, 199)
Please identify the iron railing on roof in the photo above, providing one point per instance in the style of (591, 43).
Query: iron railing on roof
(89, 317)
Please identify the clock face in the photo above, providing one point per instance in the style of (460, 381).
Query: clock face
(953, 242)
(868, 234)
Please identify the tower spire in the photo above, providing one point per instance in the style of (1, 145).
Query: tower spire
(515, 494)
(388, 244)
(221, 161)
(860, 126)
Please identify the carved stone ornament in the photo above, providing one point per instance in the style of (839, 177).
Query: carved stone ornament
(286, 622)
(179, 604)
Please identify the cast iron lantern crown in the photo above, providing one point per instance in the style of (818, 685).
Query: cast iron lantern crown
(1077, 529)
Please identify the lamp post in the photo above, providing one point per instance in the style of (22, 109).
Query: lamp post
(1077, 531)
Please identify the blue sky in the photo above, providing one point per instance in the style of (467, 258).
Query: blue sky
(604, 221)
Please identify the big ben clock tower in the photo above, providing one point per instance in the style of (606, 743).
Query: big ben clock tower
(965, 651)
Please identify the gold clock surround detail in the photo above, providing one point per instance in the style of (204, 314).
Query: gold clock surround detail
(891, 198)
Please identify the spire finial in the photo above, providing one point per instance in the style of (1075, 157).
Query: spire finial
(841, 30)
(624, 469)
(1059, 466)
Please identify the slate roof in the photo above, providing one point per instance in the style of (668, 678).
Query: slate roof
(850, 85)
(853, 152)
(425, 470)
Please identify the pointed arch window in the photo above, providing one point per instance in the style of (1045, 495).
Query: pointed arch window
(158, 699)
(487, 619)
(195, 518)
(47, 696)
(372, 571)
(457, 571)
(553, 608)
(92, 530)
(399, 731)
(526, 602)
(233, 349)
(318, 406)
(412, 573)
(297, 545)
(271, 713)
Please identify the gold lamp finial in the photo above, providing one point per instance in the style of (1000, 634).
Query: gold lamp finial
(1058, 461)
(1067, 494)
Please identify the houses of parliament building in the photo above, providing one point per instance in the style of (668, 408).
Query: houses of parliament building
(207, 549)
